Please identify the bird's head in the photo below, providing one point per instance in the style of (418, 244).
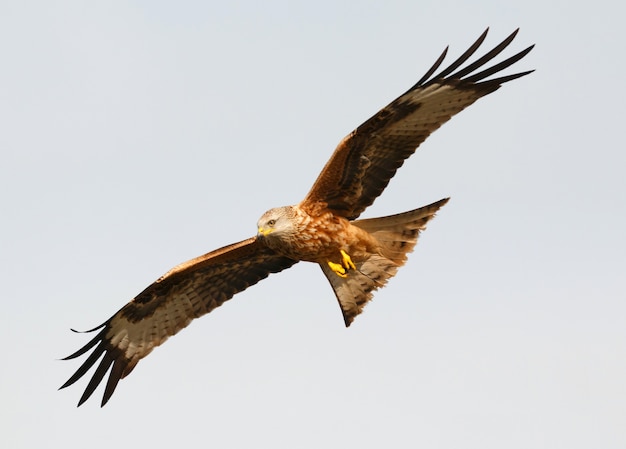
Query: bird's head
(276, 223)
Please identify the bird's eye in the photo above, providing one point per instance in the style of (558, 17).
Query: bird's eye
(271, 222)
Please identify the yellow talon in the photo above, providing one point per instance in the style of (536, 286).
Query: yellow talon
(347, 261)
(338, 269)
(341, 269)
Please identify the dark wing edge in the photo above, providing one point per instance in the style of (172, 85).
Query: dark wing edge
(186, 292)
(357, 173)
(448, 73)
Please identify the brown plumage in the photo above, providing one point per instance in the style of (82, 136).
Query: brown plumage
(357, 256)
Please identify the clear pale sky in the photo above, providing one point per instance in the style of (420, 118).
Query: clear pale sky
(137, 135)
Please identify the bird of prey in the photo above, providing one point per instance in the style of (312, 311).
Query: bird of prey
(356, 256)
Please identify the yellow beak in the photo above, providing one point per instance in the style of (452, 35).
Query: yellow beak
(263, 231)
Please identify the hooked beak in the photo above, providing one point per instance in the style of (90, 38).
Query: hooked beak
(264, 231)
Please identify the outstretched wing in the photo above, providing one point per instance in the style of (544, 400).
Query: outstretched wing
(188, 291)
(365, 160)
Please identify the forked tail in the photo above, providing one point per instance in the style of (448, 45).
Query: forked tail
(397, 236)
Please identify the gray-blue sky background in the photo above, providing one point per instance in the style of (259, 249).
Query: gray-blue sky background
(136, 135)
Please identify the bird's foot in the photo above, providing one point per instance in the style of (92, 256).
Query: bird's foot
(346, 261)
(341, 269)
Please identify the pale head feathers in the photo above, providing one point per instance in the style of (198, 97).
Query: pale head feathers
(276, 221)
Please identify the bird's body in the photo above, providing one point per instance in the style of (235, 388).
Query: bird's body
(372, 249)
(357, 256)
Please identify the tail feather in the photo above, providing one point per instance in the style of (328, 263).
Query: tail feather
(397, 236)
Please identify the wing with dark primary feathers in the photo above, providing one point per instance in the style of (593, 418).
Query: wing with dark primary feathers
(365, 160)
(188, 291)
